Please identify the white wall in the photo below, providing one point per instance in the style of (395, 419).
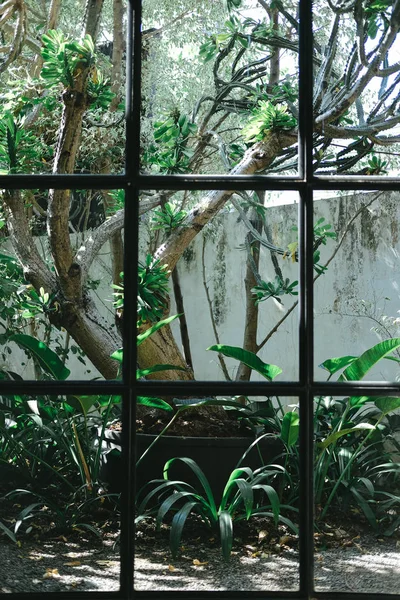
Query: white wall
(361, 285)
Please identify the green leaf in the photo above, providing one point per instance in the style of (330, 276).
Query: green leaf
(335, 364)
(290, 428)
(226, 533)
(387, 405)
(200, 476)
(248, 358)
(143, 336)
(8, 532)
(245, 493)
(178, 523)
(154, 403)
(48, 360)
(82, 403)
(156, 369)
(338, 434)
(358, 368)
(118, 355)
(273, 498)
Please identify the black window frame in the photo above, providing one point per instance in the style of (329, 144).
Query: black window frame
(133, 181)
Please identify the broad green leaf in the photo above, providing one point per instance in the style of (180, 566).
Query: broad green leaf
(118, 355)
(387, 405)
(143, 336)
(82, 403)
(338, 434)
(360, 401)
(358, 368)
(248, 358)
(335, 364)
(156, 369)
(154, 403)
(290, 428)
(48, 360)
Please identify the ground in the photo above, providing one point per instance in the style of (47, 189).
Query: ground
(347, 558)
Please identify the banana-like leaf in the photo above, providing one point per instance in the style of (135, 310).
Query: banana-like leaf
(48, 360)
(248, 358)
(360, 367)
(387, 405)
(338, 434)
(154, 403)
(290, 428)
(82, 403)
(335, 364)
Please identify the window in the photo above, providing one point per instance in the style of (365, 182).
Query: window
(315, 173)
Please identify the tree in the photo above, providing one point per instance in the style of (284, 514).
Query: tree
(250, 106)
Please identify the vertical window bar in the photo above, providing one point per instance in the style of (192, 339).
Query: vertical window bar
(305, 125)
(130, 285)
(306, 298)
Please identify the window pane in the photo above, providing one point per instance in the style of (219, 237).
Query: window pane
(61, 107)
(61, 253)
(215, 82)
(233, 284)
(59, 517)
(264, 553)
(356, 90)
(356, 288)
(356, 494)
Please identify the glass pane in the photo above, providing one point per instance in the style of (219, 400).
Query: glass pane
(60, 256)
(59, 517)
(233, 279)
(218, 78)
(262, 551)
(62, 94)
(356, 89)
(356, 288)
(356, 494)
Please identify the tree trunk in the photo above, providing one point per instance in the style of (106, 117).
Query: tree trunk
(161, 348)
(257, 158)
(251, 317)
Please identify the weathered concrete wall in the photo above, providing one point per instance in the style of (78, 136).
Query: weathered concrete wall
(360, 287)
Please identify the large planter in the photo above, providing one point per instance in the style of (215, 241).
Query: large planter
(217, 457)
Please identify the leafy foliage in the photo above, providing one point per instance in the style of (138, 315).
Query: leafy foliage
(19, 150)
(266, 118)
(168, 218)
(353, 461)
(64, 59)
(246, 494)
(170, 152)
(152, 290)
(279, 287)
